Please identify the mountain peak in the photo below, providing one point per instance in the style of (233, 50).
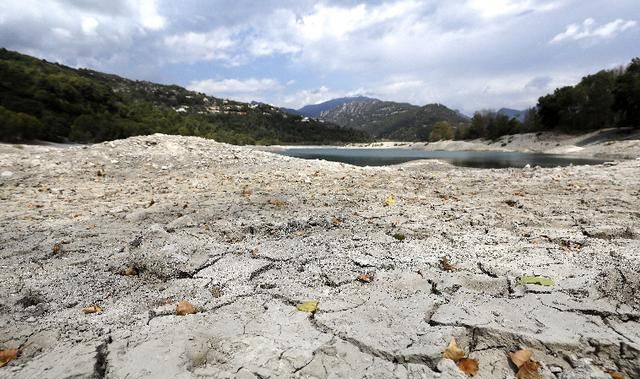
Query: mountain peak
(315, 110)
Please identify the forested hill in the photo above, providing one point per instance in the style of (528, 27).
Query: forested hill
(396, 121)
(40, 100)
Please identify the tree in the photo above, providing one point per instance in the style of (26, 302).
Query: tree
(627, 96)
(441, 131)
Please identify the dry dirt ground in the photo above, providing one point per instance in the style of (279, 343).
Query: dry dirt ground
(137, 225)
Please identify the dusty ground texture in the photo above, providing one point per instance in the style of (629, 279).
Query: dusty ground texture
(245, 236)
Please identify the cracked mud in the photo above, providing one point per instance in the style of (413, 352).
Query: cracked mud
(137, 225)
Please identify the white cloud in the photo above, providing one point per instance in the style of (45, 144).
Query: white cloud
(246, 89)
(192, 47)
(489, 9)
(148, 14)
(589, 30)
(89, 25)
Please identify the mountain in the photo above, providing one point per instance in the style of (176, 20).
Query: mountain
(48, 101)
(316, 110)
(513, 113)
(291, 111)
(391, 120)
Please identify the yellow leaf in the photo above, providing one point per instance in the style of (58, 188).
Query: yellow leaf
(95, 308)
(453, 352)
(529, 370)
(308, 306)
(390, 201)
(520, 357)
(469, 366)
(7, 356)
(184, 308)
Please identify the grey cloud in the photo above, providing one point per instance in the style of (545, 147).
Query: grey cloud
(540, 82)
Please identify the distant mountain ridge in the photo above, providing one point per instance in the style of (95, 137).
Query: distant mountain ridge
(316, 110)
(513, 113)
(391, 120)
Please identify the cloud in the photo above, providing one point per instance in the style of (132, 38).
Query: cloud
(490, 9)
(246, 89)
(463, 53)
(589, 30)
(192, 47)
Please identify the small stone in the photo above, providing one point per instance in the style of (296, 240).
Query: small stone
(555, 369)
(31, 319)
(6, 174)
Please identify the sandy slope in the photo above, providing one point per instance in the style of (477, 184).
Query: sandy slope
(246, 236)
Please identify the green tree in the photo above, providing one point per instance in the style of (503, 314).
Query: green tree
(441, 130)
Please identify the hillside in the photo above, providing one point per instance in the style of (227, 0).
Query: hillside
(48, 101)
(315, 110)
(398, 121)
(513, 113)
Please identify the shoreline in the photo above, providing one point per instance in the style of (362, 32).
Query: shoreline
(600, 144)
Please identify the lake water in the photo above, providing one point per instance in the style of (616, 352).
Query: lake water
(479, 159)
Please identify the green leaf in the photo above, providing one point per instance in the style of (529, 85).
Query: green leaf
(539, 280)
(308, 306)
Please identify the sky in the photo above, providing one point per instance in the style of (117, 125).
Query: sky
(466, 54)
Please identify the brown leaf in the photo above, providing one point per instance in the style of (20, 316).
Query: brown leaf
(57, 248)
(365, 278)
(446, 265)
(529, 370)
(246, 192)
(184, 308)
(130, 271)
(520, 357)
(616, 375)
(453, 352)
(7, 356)
(95, 308)
(336, 221)
(469, 366)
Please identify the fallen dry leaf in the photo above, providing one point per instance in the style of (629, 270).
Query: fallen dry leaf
(529, 370)
(308, 306)
(365, 278)
(94, 308)
(446, 265)
(336, 221)
(184, 308)
(246, 192)
(616, 375)
(469, 366)
(520, 357)
(57, 248)
(453, 352)
(130, 271)
(7, 356)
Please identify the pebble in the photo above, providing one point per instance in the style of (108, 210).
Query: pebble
(6, 174)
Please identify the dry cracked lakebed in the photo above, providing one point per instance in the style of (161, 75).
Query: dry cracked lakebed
(399, 259)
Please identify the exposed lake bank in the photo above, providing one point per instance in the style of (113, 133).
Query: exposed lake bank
(137, 225)
(602, 144)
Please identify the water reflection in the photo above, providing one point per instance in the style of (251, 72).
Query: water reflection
(478, 159)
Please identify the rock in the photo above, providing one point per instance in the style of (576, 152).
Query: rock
(584, 370)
